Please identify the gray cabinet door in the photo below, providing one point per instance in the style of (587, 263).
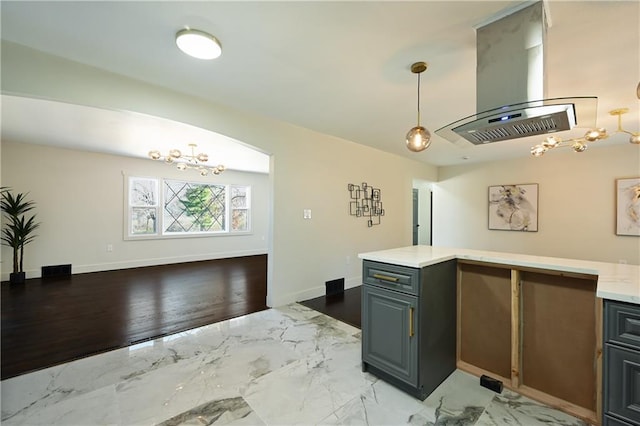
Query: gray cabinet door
(389, 332)
(622, 324)
(610, 421)
(622, 391)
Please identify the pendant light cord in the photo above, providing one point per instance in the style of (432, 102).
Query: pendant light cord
(418, 99)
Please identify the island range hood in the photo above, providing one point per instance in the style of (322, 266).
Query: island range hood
(510, 84)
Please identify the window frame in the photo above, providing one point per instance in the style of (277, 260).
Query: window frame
(160, 233)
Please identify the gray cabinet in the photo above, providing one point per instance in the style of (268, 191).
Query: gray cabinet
(409, 324)
(621, 379)
(389, 341)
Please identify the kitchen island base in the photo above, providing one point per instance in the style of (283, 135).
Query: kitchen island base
(536, 324)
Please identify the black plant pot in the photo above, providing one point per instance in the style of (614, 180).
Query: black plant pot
(17, 277)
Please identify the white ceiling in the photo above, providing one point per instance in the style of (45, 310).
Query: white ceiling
(340, 68)
(119, 133)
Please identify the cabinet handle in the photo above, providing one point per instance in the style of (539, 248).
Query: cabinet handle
(385, 278)
(411, 331)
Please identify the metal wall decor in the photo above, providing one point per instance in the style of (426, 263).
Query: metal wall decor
(365, 201)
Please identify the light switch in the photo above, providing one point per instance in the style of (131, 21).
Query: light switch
(306, 213)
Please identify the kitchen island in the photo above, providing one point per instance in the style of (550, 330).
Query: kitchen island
(534, 323)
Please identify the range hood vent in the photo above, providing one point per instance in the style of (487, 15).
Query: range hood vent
(521, 128)
(521, 120)
(509, 72)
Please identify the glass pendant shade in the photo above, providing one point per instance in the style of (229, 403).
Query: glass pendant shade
(595, 134)
(579, 147)
(418, 139)
(635, 138)
(550, 142)
(538, 150)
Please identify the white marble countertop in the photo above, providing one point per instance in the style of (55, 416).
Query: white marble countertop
(615, 281)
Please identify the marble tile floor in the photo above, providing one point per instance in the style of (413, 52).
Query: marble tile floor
(289, 365)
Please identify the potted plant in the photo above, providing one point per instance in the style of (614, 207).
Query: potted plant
(18, 229)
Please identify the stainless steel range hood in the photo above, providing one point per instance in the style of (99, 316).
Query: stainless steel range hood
(510, 84)
(521, 120)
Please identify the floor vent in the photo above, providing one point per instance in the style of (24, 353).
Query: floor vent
(56, 271)
(334, 287)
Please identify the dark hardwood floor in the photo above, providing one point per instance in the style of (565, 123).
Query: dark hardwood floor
(343, 306)
(48, 322)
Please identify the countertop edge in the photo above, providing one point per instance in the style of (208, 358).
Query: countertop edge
(614, 281)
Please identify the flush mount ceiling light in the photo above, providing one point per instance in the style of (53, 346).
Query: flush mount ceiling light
(198, 44)
(580, 144)
(418, 138)
(193, 161)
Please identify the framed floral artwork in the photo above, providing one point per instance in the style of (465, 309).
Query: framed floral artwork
(628, 206)
(514, 207)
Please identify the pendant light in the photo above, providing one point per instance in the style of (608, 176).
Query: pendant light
(418, 138)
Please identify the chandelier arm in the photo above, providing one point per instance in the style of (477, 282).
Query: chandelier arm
(593, 135)
(620, 129)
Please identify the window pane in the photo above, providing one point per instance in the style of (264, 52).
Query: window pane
(239, 220)
(239, 197)
(143, 192)
(193, 207)
(143, 220)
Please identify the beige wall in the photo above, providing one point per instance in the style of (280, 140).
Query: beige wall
(576, 204)
(80, 204)
(309, 170)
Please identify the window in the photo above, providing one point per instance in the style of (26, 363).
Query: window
(143, 206)
(184, 208)
(240, 208)
(193, 207)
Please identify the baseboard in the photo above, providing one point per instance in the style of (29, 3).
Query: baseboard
(311, 293)
(100, 267)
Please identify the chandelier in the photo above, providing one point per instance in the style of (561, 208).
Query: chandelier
(191, 161)
(581, 144)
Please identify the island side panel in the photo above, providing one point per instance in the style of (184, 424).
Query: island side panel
(559, 354)
(437, 323)
(485, 317)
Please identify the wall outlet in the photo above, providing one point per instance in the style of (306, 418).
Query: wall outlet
(306, 214)
(109, 247)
